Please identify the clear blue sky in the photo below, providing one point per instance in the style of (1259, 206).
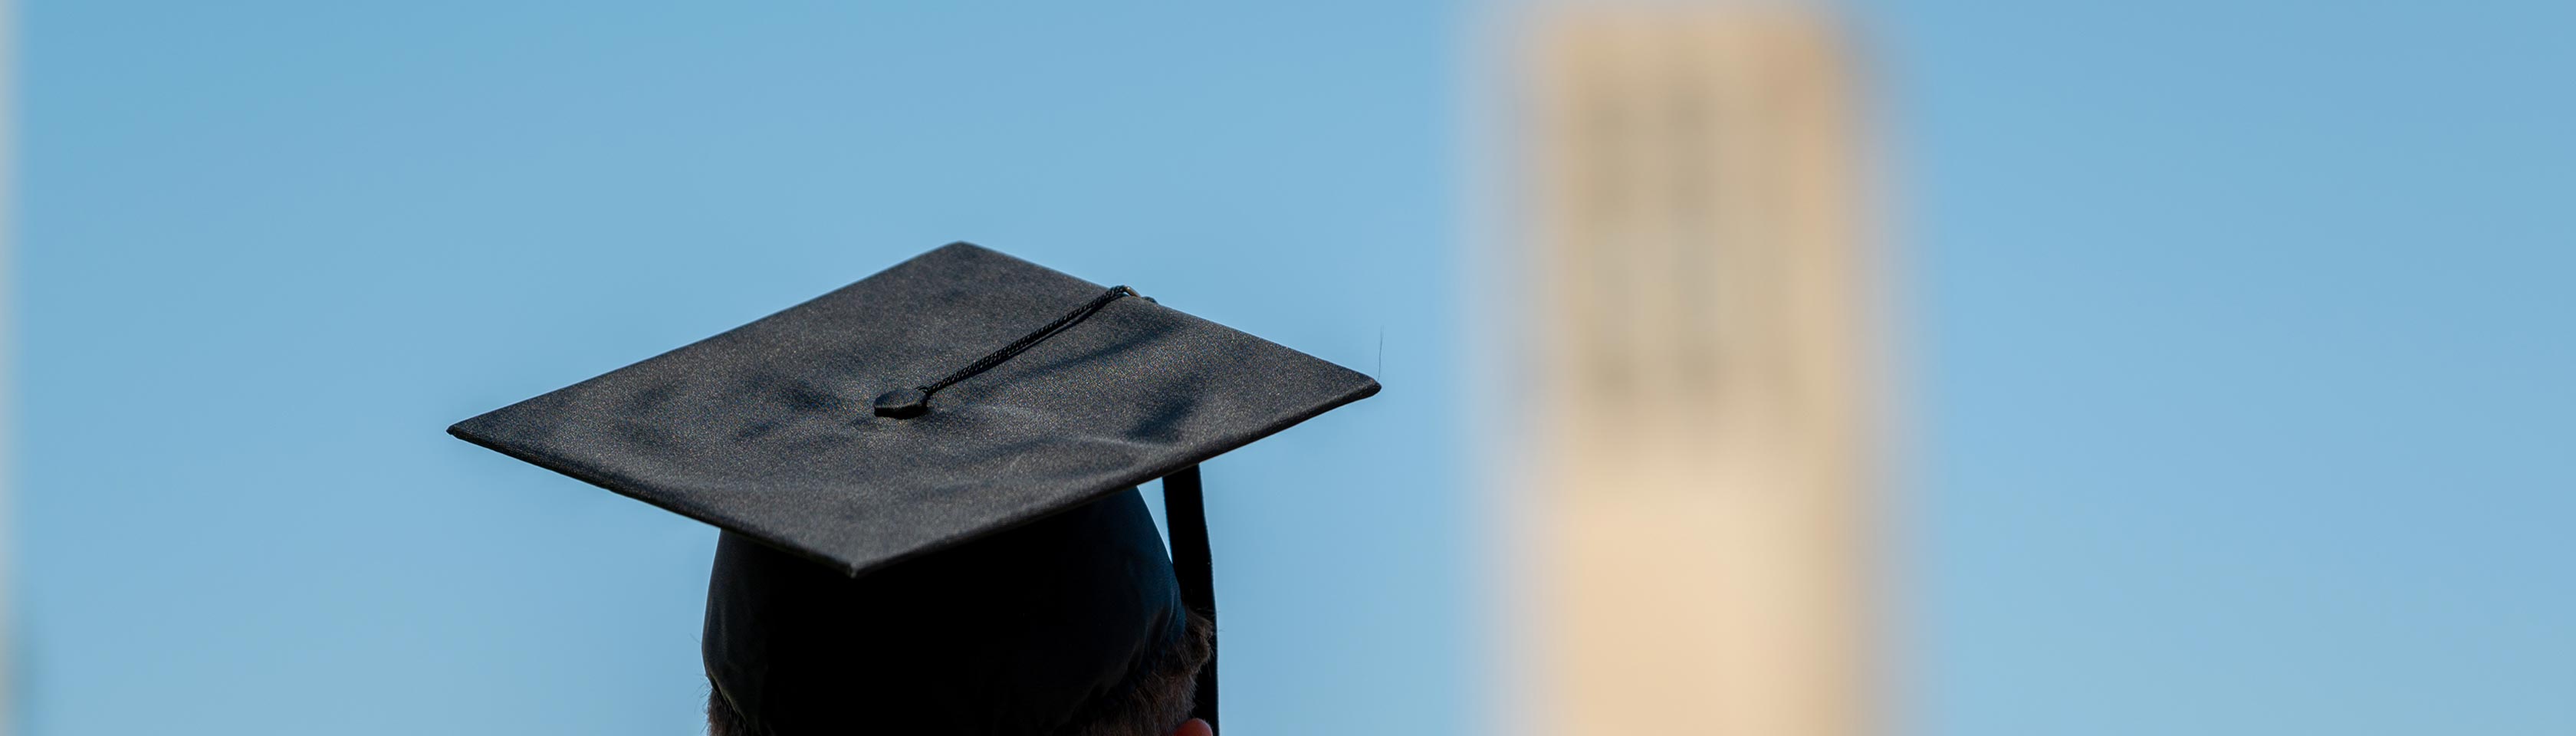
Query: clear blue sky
(2244, 337)
(2238, 336)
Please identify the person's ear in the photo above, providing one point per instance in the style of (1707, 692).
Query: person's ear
(1195, 727)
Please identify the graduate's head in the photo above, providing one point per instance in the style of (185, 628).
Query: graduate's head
(926, 482)
(1071, 624)
(1154, 700)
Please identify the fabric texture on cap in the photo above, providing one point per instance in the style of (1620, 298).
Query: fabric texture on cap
(768, 430)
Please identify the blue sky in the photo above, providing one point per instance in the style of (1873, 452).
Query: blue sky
(2237, 338)
(2242, 336)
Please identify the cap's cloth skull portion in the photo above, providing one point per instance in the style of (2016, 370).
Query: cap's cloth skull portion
(1009, 635)
(769, 431)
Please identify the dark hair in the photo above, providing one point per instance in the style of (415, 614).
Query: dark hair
(1151, 701)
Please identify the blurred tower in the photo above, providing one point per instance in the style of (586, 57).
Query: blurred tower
(1697, 455)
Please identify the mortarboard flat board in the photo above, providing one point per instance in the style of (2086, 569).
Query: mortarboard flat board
(955, 397)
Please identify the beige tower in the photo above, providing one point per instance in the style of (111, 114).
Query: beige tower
(1698, 457)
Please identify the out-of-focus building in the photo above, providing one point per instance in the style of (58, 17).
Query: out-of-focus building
(1690, 409)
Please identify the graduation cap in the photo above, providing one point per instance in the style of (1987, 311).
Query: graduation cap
(926, 482)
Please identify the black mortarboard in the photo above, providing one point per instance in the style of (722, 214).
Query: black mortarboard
(926, 482)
